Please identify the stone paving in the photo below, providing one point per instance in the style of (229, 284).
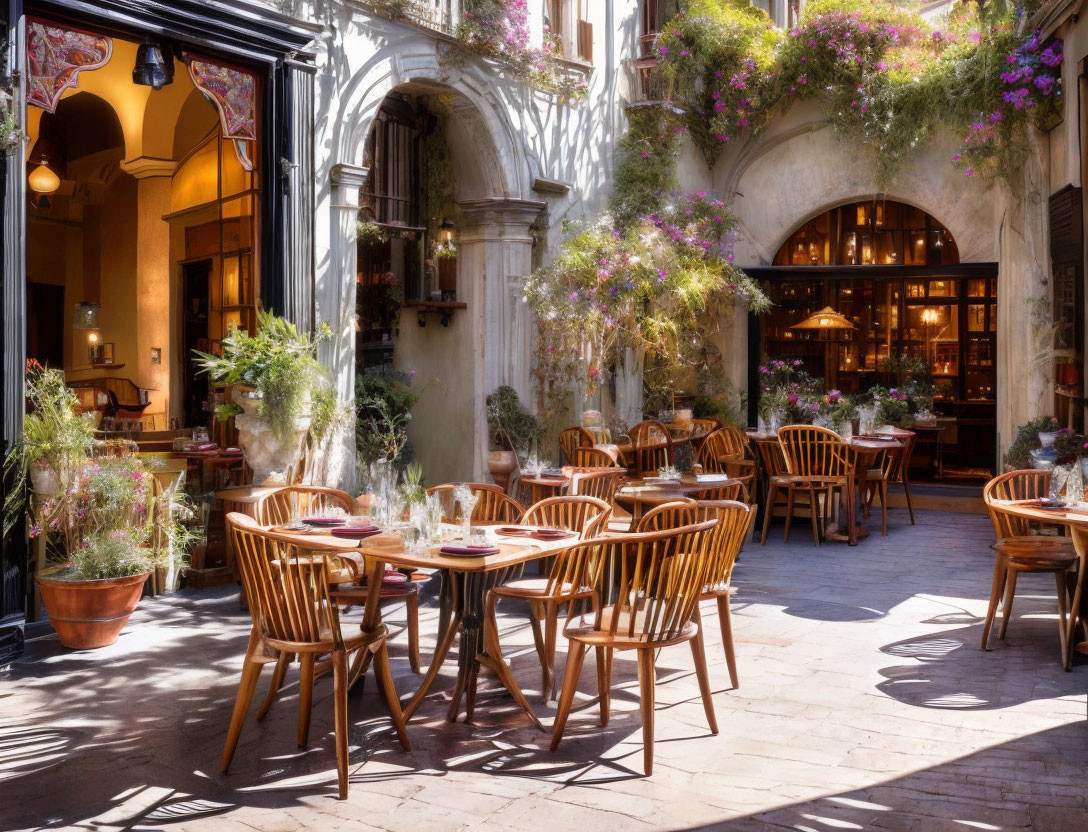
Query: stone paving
(865, 703)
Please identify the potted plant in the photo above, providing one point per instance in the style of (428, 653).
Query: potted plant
(511, 429)
(1027, 439)
(892, 407)
(56, 437)
(104, 536)
(275, 379)
(840, 411)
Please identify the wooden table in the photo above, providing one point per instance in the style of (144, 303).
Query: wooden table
(213, 459)
(553, 485)
(637, 497)
(1077, 525)
(468, 580)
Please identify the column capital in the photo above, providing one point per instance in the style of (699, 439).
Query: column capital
(501, 211)
(349, 176)
(149, 167)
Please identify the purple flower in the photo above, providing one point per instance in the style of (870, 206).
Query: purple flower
(664, 50)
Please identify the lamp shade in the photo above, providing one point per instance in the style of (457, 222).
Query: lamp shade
(152, 69)
(87, 315)
(824, 320)
(43, 180)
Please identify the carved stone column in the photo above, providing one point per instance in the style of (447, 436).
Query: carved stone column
(334, 295)
(298, 171)
(494, 255)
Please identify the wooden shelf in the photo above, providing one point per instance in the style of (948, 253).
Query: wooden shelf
(436, 306)
(107, 366)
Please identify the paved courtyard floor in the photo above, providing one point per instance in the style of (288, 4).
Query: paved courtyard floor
(864, 703)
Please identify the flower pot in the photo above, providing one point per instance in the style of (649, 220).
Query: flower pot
(88, 614)
(268, 456)
(501, 464)
(1047, 437)
(44, 479)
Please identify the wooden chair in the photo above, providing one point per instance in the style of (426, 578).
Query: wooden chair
(277, 507)
(704, 427)
(817, 462)
(657, 580)
(734, 521)
(492, 506)
(573, 438)
(600, 484)
(1016, 550)
(593, 458)
(892, 467)
(294, 613)
(587, 516)
(651, 448)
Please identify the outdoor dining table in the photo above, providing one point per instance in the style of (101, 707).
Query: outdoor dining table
(543, 486)
(468, 577)
(1076, 522)
(637, 496)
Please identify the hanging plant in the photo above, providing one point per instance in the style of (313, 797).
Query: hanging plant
(367, 231)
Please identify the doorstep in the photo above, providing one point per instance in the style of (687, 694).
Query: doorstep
(956, 499)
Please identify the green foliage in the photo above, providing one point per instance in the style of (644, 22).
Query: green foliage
(383, 407)
(1070, 447)
(412, 488)
(510, 426)
(1027, 440)
(729, 407)
(892, 406)
(54, 432)
(883, 77)
(645, 164)
(279, 362)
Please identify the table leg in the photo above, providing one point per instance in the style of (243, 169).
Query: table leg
(1074, 610)
(452, 616)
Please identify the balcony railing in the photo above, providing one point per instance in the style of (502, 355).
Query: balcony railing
(436, 15)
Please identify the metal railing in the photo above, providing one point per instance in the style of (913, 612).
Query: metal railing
(437, 15)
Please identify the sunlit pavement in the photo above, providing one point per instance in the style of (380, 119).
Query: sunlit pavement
(864, 703)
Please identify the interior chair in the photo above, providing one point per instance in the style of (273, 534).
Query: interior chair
(1017, 550)
(573, 438)
(587, 516)
(293, 611)
(656, 581)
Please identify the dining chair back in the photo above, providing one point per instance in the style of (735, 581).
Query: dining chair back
(703, 427)
(653, 582)
(667, 516)
(599, 484)
(291, 502)
(1031, 484)
(810, 451)
(651, 446)
(581, 514)
(593, 458)
(492, 505)
(572, 439)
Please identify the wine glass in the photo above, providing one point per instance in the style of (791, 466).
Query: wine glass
(468, 503)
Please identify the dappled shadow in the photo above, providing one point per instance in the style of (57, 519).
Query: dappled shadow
(1001, 787)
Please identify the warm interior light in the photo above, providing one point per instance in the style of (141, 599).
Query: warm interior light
(825, 322)
(43, 180)
(930, 316)
(92, 337)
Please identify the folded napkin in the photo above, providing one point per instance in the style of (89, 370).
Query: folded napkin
(324, 521)
(355, 532)
(711, 477)
(469, 550)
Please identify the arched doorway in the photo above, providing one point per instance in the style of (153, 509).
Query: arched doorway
(894, 271)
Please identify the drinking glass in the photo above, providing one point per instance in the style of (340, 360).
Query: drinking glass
(467, 503)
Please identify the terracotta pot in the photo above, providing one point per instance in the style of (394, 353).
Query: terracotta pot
(89, 614)
(501, 464)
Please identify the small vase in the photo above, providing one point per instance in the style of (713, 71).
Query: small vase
(501, 464)
(1047, 437)
(44, 479)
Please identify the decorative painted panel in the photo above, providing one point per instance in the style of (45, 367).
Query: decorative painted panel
(55, 56)
(233, 91)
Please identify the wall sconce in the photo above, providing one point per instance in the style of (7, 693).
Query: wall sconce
(87, 315)
(93, 338)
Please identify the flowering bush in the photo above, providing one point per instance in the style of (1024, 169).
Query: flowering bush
(654, 286)
(881, 74)
(787, 388)
(892, 406)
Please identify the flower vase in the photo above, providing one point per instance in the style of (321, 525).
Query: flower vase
(44, 479)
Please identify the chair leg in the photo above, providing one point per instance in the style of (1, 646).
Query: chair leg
(726, 621)
(996, 590)
(814, 514)
(411, 611)
(1006, 608)
(498, 663)
(646, 684)
(385, 681)
(570, 686)
(1063, 618)
(768, 512)
(790, 493)
(551, 625)
(277, 683)
(536, 612)
(604, 682)
(884, 507)
(906, 492)
(251, 672)
(305, 698)
(340, 718)
(698, 654)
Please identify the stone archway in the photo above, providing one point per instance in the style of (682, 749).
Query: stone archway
(486, 344)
